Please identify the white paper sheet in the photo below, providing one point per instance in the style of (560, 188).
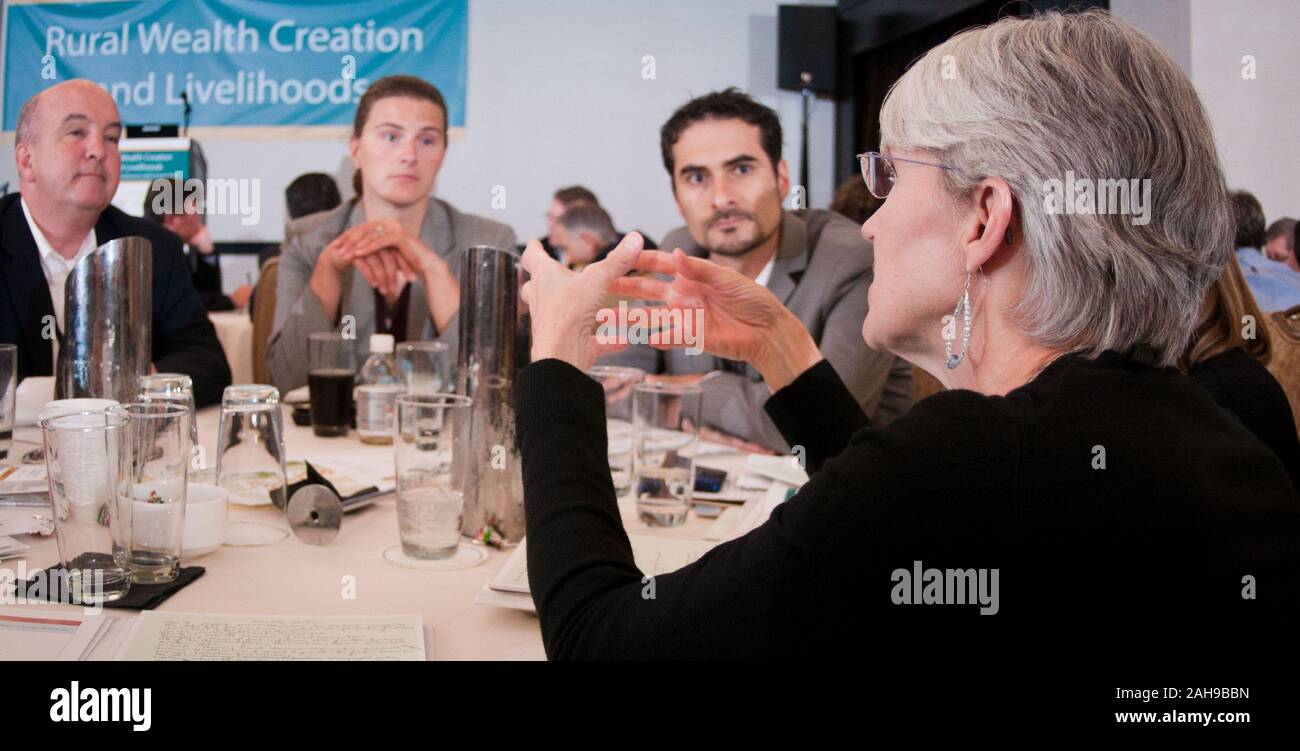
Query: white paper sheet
(204, 636)
(38, 635)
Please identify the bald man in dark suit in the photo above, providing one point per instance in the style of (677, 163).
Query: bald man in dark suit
(66, 149)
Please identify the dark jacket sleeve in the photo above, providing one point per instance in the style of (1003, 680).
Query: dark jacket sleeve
(817, 412)
(184, 340)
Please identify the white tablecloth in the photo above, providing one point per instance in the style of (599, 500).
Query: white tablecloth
(235, 330)
(293, 578)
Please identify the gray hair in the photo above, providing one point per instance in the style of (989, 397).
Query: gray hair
(1284, 227)
(1033, 99)
(24, 131)
(589, 218)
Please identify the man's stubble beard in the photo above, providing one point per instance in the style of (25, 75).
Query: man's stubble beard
(736, 252)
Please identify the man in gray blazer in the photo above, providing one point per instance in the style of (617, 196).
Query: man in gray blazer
(299, 312)
(723, 151)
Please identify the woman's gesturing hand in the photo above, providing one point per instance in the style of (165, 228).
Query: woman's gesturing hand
(740, 320)
(563, 303)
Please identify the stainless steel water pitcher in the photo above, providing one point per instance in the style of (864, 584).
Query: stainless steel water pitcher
(494, 346)
(108, 324)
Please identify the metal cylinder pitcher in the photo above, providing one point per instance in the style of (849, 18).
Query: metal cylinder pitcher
(109, 322)
(494, 346)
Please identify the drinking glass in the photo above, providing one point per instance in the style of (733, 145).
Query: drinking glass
(430, 495)
(425, 366)
(88, 463)
(332, 368)
(8, 396)
(172, 387)
(618, 384)
(667, 423)
(158, 434)
(250, 458)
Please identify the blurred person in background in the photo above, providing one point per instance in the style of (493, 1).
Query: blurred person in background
(1276, 286)
(584, 234)
(853, 201)
(1279, 242)
(1228, 355)
(563, 200)
(204, 261)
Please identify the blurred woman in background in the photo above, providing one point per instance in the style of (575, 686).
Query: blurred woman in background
(1228, 357)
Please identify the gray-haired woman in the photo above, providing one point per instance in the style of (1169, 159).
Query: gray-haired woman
(1070, 477)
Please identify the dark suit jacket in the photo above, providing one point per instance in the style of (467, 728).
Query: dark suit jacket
(184, 340)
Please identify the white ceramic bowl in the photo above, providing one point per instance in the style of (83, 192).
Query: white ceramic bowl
(73, 406)
(205, 520)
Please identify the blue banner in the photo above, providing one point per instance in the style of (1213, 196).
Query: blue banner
(241, 62)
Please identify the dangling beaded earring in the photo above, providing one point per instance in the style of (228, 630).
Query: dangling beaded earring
(963, 307)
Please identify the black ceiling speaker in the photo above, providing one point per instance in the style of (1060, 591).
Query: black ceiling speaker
(808, 42)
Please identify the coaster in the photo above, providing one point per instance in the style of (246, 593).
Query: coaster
(249, 534)
(466, 556)
(139, 597)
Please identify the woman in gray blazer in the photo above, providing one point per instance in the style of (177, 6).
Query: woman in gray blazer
(388, 259)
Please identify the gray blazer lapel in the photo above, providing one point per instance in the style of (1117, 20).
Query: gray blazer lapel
(791, 257)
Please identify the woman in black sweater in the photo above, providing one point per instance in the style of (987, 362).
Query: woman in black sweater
(1227, 358)
(1071, 483)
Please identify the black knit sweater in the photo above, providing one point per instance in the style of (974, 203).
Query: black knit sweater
(1117, 502)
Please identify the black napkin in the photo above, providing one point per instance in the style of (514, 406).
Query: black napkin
(139, 597)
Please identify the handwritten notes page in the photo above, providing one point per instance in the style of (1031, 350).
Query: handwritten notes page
(202, 636)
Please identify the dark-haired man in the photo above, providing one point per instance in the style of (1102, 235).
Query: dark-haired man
(723, 154)
(68, 168)
(311, 192)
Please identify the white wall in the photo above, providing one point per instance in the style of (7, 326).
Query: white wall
(1256, 121)
(555, 96)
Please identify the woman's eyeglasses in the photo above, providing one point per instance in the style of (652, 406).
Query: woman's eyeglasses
(878, 171)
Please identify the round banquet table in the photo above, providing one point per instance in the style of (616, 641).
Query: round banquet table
(291, 577)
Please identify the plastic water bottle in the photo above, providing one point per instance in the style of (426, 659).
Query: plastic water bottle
(377, 392)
